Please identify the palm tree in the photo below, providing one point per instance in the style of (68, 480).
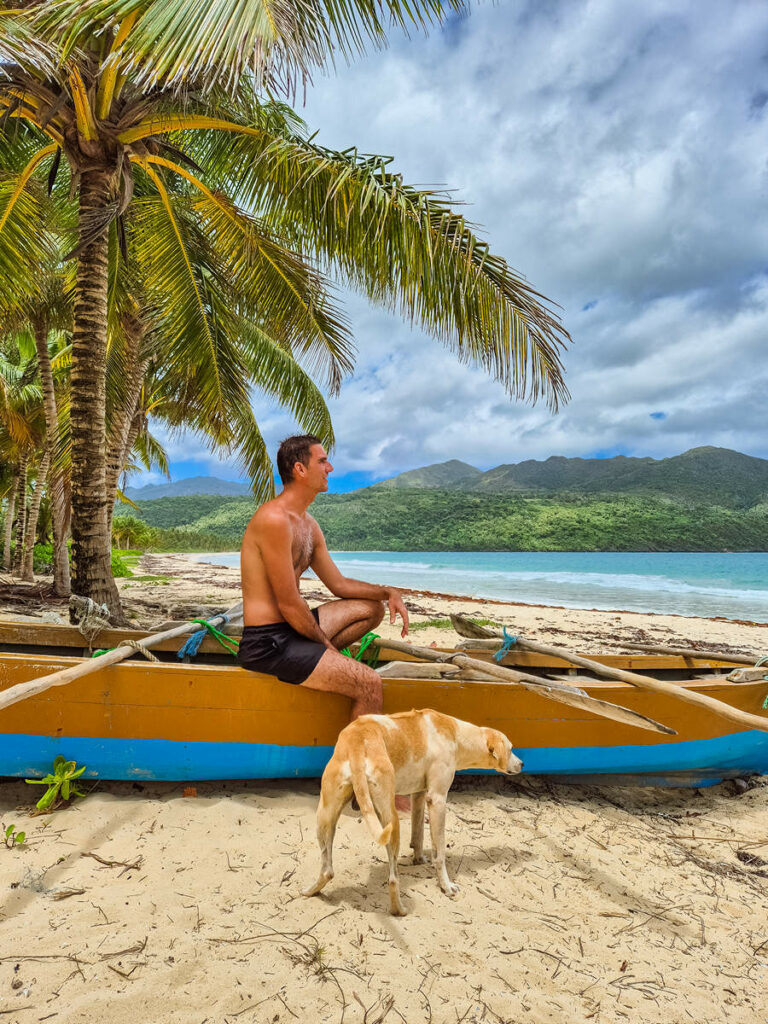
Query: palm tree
(22, 431)
(134, 92)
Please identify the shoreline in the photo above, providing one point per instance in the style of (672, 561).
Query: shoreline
(196, 559)
(177, 586)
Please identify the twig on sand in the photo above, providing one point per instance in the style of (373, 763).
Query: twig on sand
(383, 1005)
(64, 894)
(138, 948)
(124, 864)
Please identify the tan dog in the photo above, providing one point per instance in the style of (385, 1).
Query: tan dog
(414, 752)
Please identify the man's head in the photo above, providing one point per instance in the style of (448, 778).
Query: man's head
(302, 459)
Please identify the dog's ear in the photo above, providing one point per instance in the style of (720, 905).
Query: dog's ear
(499, 748)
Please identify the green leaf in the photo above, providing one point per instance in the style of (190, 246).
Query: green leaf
(20, 837)
(9, 831)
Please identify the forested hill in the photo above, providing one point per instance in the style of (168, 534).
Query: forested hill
(440, 520)
(708, 499)
(716, 475)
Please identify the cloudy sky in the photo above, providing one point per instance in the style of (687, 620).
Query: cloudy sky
(617, 155)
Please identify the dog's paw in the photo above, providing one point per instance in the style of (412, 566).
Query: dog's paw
(450, 889)
(420, 858)
(319, 885)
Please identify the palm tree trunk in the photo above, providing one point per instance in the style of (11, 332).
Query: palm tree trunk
(91, 543)
(118, 447)
(28, 554)
(61, 580)
(9, 516)
(21, 514)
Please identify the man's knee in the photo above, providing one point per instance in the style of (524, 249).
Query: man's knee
(369, 684)
(376, 613)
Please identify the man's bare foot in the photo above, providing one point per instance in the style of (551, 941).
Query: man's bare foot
(403, 803)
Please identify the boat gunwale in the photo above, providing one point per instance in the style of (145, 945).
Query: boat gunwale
(136, 661)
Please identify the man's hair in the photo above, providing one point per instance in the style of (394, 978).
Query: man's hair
(293, 450)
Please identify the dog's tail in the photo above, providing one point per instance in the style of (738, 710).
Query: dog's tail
(363, 794)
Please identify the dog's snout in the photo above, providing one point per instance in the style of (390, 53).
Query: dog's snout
(515, 765)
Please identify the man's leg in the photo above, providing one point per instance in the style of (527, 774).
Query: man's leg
(336, 673)
(345, 621)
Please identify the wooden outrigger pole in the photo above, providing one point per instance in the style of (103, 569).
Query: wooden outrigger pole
(68, 675)
(554, 691)
(717, 707)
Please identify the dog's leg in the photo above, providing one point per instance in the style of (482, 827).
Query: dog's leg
(417, 827)
(436, 802)
(383, 795)
(333, 799)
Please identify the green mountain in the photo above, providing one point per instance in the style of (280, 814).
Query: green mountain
(190, 485)
(441, 474)
(708, 499)
(716, 475)
(433, 519)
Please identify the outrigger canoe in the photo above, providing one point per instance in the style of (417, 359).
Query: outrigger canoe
(210, 719)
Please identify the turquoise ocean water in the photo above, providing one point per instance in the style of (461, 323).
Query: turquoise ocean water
(734, 585)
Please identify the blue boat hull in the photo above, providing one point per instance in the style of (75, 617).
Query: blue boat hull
(689, 763)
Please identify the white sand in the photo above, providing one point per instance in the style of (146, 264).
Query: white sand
(575, 904)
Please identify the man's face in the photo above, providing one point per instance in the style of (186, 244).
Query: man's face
(315, 475)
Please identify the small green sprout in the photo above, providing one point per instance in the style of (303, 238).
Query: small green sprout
(61, 783)
(14, 838)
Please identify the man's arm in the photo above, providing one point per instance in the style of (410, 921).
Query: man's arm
(275, 547)
(342, 586)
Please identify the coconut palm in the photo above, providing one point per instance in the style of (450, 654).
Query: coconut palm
(22, 433)
(137, 93)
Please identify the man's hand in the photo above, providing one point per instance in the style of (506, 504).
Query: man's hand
(396, 607)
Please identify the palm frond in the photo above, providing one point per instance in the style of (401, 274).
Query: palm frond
(277, 374)
(25, 244)
(283, 290)
(275, 285)
(20, 43)
(279, 42)
(151, 453)
(403, 247)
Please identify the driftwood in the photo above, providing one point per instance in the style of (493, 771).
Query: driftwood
(717, 707)
(68, 675)
(434, 670)
(748, 675)
(546, 688)
(416, 670)
(464, 626)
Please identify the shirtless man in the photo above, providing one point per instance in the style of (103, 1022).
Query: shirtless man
(281, 635)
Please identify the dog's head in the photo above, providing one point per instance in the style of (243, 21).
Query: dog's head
(500, 753)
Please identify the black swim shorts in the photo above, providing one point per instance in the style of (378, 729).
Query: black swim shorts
(278, 650)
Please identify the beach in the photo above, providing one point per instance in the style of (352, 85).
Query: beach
(176, 903)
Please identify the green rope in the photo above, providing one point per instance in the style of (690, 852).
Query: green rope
(229, 643)
(365, 643)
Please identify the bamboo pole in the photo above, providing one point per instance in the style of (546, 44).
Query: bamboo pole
(554, 691)
(465, 627)
(717, 707)
(68, 675)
